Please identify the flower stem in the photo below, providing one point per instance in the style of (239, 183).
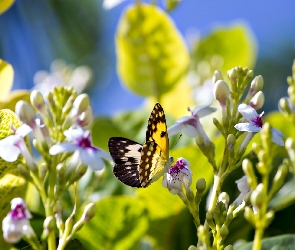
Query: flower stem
(257, 239)
(215, 192)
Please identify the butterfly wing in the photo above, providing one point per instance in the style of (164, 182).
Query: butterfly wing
(126, 155)
(155, 152)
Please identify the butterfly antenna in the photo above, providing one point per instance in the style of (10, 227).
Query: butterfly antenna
(171, 157)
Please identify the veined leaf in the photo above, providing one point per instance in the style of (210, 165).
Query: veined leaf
(152, 56)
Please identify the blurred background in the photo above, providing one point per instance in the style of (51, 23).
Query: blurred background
(81, 33)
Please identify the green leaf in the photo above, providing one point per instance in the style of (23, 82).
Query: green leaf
(6, 73)
(234, 45)
(282, 242)
(152, 56)
(284, 197)
(5, 5)
(11, 99)
(119, 223)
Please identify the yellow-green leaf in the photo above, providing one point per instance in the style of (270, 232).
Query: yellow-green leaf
(6, 76)
(5, 5)
(235, 45)
(152, 56)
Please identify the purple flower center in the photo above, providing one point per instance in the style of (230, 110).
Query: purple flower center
(179, 165)
(84, 141)
(19, 212)
(257, 121)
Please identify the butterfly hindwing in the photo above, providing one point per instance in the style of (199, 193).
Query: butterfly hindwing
(126, 155)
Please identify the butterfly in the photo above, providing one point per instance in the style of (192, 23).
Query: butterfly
(139, 165)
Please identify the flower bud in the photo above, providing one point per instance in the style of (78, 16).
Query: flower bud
(257, 84)
(229, 247)
(290, 144)
(89, 212)
(224, 231)
(279, 178)
(257, 197)
(249, 171)
(85, 118)
(37, 100)
(24, 172)
(285, 105)
(269, 217)
(217, 76)
(221, 92)
(224, 198)
(210, 221)
(49, 224)
(257, 100)
(192, 247)
(231, 141)
(201, 185)
(249, 215)
(25, 113)
(232, 75)
(81, 103)
(43, 170)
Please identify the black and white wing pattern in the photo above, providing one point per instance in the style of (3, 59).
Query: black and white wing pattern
(126, 155)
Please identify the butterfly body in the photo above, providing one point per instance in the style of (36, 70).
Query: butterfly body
(139, 165)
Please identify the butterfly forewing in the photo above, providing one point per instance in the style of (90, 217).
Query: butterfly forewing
(126, 155)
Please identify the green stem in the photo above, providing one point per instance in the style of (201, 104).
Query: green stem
(257, 239)
(215, 192)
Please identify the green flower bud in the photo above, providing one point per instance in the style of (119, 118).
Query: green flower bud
(257, 196)
(231, 141)
(291, 91)
(257, 100)
(191, 247)
(229, 247)
(89, 212)
(279, 178)
(81, 103)
(210, 221)
(50, 99)
(221, 92)
(229, 218)
(257, 84)
(24, 172)
(43, 170)
(224, 231)
(249, 171)
(25, 113)
(284, 105)
(232, 75)
(37, 100)
(269, 217)
(49, 226)
(217, 75)
(249, 216)
(201, 185)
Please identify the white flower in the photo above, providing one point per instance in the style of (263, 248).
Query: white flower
(191, 125)
(16, 224)
(178, 175)
(255, 123)
(12, 145)
(244, 189)
(80, 141)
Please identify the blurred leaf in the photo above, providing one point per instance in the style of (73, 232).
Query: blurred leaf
(13, 98)
(282, 242)
(284, 197)
(152, 56)
(5, 5)
(119, 223)
(75, 244)
(6, 73)
(235, 45)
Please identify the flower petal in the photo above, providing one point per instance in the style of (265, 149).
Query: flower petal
(74, 133)
(203, 110)
(175, 129)
(248, 112)
(277, 137)
(23, 130)
(62, 147)
(104, 154)
(247, 127)
(91, 158)
(9, 153)
(190, 131)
